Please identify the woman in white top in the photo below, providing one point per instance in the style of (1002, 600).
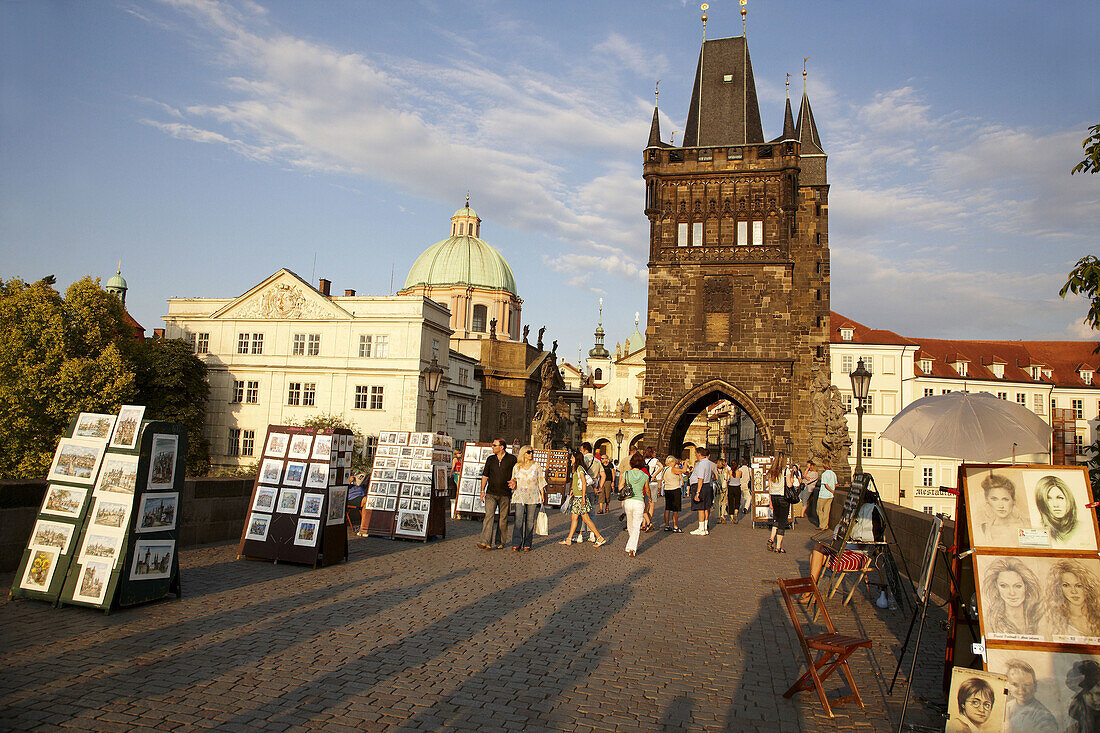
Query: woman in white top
(673, 481)
(527, 497)
(778, 478)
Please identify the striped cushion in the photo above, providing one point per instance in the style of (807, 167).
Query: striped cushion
(848, 560)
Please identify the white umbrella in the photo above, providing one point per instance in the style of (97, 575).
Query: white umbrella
(973, 426)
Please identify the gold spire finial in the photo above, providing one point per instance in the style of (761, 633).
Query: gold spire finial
(601, 312)
(467, 198)
(788, 86)
(704, 7)
(744, 12)
(119, 271)
(672, 138)
(637, 315)
(804, 74)
(656, 92)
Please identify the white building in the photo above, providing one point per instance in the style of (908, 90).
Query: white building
(285, 352)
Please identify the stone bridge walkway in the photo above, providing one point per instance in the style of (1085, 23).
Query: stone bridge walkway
(691, 634)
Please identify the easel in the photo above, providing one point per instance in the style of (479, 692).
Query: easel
(932, 551)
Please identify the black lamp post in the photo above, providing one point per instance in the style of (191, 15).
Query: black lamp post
(861, 386)
(618, 444)
(433, 373)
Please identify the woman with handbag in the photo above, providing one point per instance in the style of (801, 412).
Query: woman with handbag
(633, 485)
(579, 505)
(527, 498)
(780, 486)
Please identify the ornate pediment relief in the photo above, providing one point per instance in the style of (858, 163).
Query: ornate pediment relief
(283, 297)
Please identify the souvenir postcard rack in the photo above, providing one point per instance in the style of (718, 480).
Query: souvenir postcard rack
(108, 530)
(407, 495)
(555, 464)
(1027, 599)
(468, 502)
(298, 504)
(761, 499)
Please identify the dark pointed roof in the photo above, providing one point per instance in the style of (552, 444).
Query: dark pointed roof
(723, 112)
(807, 129)
(655, 132)
(788, 125)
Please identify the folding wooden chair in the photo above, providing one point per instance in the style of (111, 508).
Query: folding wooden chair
(850, 561)
(834, 648)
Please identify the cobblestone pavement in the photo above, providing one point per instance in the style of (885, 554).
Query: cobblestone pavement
(691, 634)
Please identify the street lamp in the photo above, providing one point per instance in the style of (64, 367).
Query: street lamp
(861, 385)
(618, 444)
(433, 373)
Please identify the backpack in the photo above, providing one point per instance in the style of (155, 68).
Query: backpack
(863, 525)
(589, 479)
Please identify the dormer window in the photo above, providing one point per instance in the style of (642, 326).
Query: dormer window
(998, 370)
(926, 366)
(961, 368)
(1047, 373)
(1086, 376)
(846, 334)
(1036, 372)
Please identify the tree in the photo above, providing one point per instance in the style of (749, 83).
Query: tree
(59, 356)
(360, 461)
(1091, 163)
(1084, 279)
(171, 382)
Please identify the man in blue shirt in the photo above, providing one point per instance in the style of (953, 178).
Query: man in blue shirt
(702, 489)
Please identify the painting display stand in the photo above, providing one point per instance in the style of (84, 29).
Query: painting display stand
(299, 499)
(761, 499)
(555, 466)
(108, 530)
(407, 496)
(468, 503)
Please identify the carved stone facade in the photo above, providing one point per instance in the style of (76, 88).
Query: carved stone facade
(738, 266)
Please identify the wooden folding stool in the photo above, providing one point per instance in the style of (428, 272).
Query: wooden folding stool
(834, 648)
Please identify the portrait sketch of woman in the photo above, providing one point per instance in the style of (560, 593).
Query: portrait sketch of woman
(1059, 498)
(1072, 602)
(1012, 598)
(1002, 515)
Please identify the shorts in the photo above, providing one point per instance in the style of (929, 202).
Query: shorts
(672, 500)
(706, 498)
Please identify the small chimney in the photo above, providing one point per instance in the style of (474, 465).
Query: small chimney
(324, 286)
(158, 333)
(349, 293)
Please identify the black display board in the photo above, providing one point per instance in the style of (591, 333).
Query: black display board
(108, 530)
(301, 490)
(407, 493)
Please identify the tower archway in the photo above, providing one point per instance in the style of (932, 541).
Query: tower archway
(741, 435)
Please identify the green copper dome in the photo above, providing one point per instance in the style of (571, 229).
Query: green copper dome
(462, 260)
(117, 282)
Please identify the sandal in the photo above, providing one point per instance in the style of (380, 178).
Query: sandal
(780, 550)
(565, 542)
(601, 542)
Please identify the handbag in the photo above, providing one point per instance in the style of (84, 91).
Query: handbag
(567, 504)
(790, 495)
(627, 492)
(542, 524)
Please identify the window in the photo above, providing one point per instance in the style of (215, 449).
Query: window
(242, 343)
(381, 346)
(1036, 372)
(929, 510)
(248, 442)
(1079, 441)
(360, 398)
(307, 344)
(1037, 403)
(682, 234)
(869, 404)
(233, 445)
(961, 368)
(946, 391)
(868, 364)
(309, 394)
(435, 349)
(846, 365)
(463, 376)
(1078, 409)
(926, 366)
(1086, 376)
(1021, 399)
(238, 391)
(257, 343)
(928, 391)
(368, 398)
(201, 343)
(742, 232)
(847, 401)
(294, 393)
(1053, 405)
(597, 375)
(846, 334)
(480, 316)
(697, 234)
(252, 393)
(867, 448)
(370, 445)
(376, 398)
(926, 476)
(460, 413)
(1002, 395)
(757, 233)
(364, 346)
(313, 347)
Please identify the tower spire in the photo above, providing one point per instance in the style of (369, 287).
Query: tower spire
(598, 351)
(744, 12)
(806, 132)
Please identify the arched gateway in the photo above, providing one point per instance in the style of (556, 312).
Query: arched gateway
(741, 433)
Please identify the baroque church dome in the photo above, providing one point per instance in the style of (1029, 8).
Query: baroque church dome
(462, 259)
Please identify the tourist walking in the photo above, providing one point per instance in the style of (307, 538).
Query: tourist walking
(594, 473)
(580, 507)
(528, 497)
(780, 475)
(745, 472)
(722, 475)
(702, 490)
(654, 468)
(827, 487)
(496, 493)
(734, 504)
(672, 478)
(633, 487)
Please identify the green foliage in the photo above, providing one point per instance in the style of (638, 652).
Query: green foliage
(77, 353)
(171, 382)
(359, 460)
(1091, 163)
(1084, 279)
(59, 356)
(1093, 465)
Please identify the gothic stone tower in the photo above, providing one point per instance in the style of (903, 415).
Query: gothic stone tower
(738, 264)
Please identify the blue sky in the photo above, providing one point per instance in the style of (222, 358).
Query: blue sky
(207, 144)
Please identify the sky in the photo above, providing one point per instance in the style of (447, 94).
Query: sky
(207, 144)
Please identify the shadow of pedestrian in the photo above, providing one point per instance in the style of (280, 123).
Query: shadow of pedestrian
(678, 714)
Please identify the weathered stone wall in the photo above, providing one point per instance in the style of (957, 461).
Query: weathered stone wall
(211, 510)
